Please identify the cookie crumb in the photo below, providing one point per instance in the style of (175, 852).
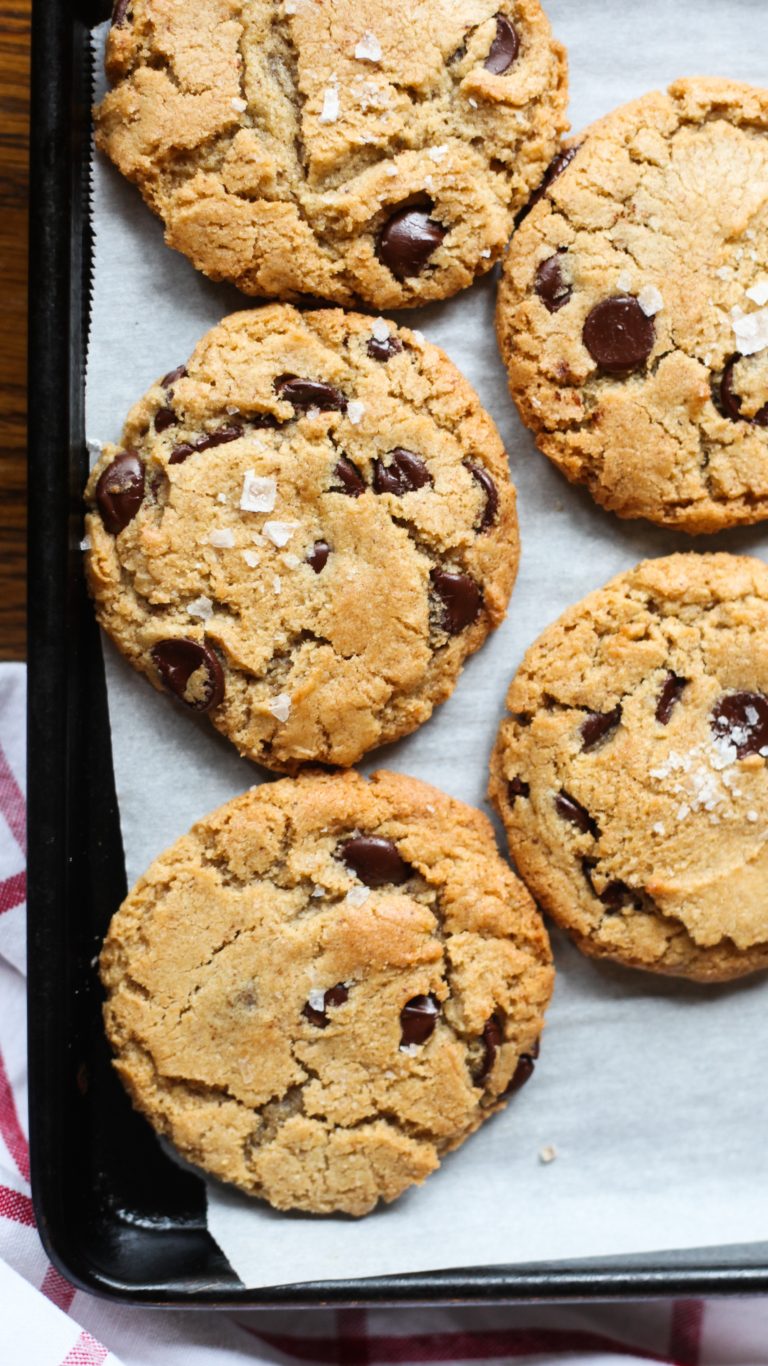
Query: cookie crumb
(547, 1154)
(259, 492)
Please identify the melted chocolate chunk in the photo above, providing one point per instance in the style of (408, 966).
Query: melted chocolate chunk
(615, 894)
(517, 788)
(493, 1036)
(418, 1018)
(460, 598)
(504, 47)
(599, 724)
(571, 810)
(405, 472)
(618, 335)
(551, 285)
(555, 169)
(408, 240)
(334, 996)
(164, 418)
(120, 12)
(731, 401)
(486, 483)
(741, 718)
(522, 1073)
(375, 861)
(350, 478)
(383, 350)
(318, 555)
(172, 376)
(310, 393)
(671, 692)
(120, 491)
(230, 431)
(176, 661)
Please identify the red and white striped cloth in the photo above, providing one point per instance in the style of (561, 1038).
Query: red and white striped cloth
(45, 1322)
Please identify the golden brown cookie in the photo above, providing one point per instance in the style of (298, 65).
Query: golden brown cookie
(309, 527)
(325, 986)
(632, 314)
(354, 151)
(631, 771)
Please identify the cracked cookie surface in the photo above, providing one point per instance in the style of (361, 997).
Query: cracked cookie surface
(326, 985)
(308, 528)
(631, 771)
(631, 314)
(356, 152)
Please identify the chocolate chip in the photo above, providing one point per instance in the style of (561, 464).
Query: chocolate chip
(493, 1035)
(375, 861)
(164, 418)
(350, 478)
(551, 286)
(318, 555)
(618, 335)
(555, 169)
(230, 431)
(522, 1073)
(598, 724)
(405, 472)
(418, 1018)
(517, 788)
(120, 491)
(460, 598)
(671, 692)
(741, 718)
(178, 660)
(408, 240)
(334, 996)
(172, 376)
(383, 350)
(310, 393)
(491, 494)
(504, 47)
(615, 894)
(120, 12)
(731, 401)
(571, 810)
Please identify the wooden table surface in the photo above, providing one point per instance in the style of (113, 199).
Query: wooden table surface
(14, 95)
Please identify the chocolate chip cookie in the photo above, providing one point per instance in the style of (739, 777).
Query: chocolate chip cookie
(632, 315)
(325, 986)
(631, 771)
(373, 152)
(307, 529)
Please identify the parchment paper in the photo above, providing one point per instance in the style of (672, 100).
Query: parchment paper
(650, 1090)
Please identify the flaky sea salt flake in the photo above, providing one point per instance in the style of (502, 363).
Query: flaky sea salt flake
(380, 330)
(280, 706)
(259, 492)
(239, 105)
(330, 110)
(279, 533)
(201, 607)
(222, 538)
(650, 300)
(251, 558)
(358, 895)
(437, 153)
(85, 544)
(751, 332)
(355, 410)
(368, 49)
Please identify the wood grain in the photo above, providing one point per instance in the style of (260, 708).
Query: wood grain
(14, 104)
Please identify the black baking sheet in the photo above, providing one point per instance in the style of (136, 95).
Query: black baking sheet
(118, 1216)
